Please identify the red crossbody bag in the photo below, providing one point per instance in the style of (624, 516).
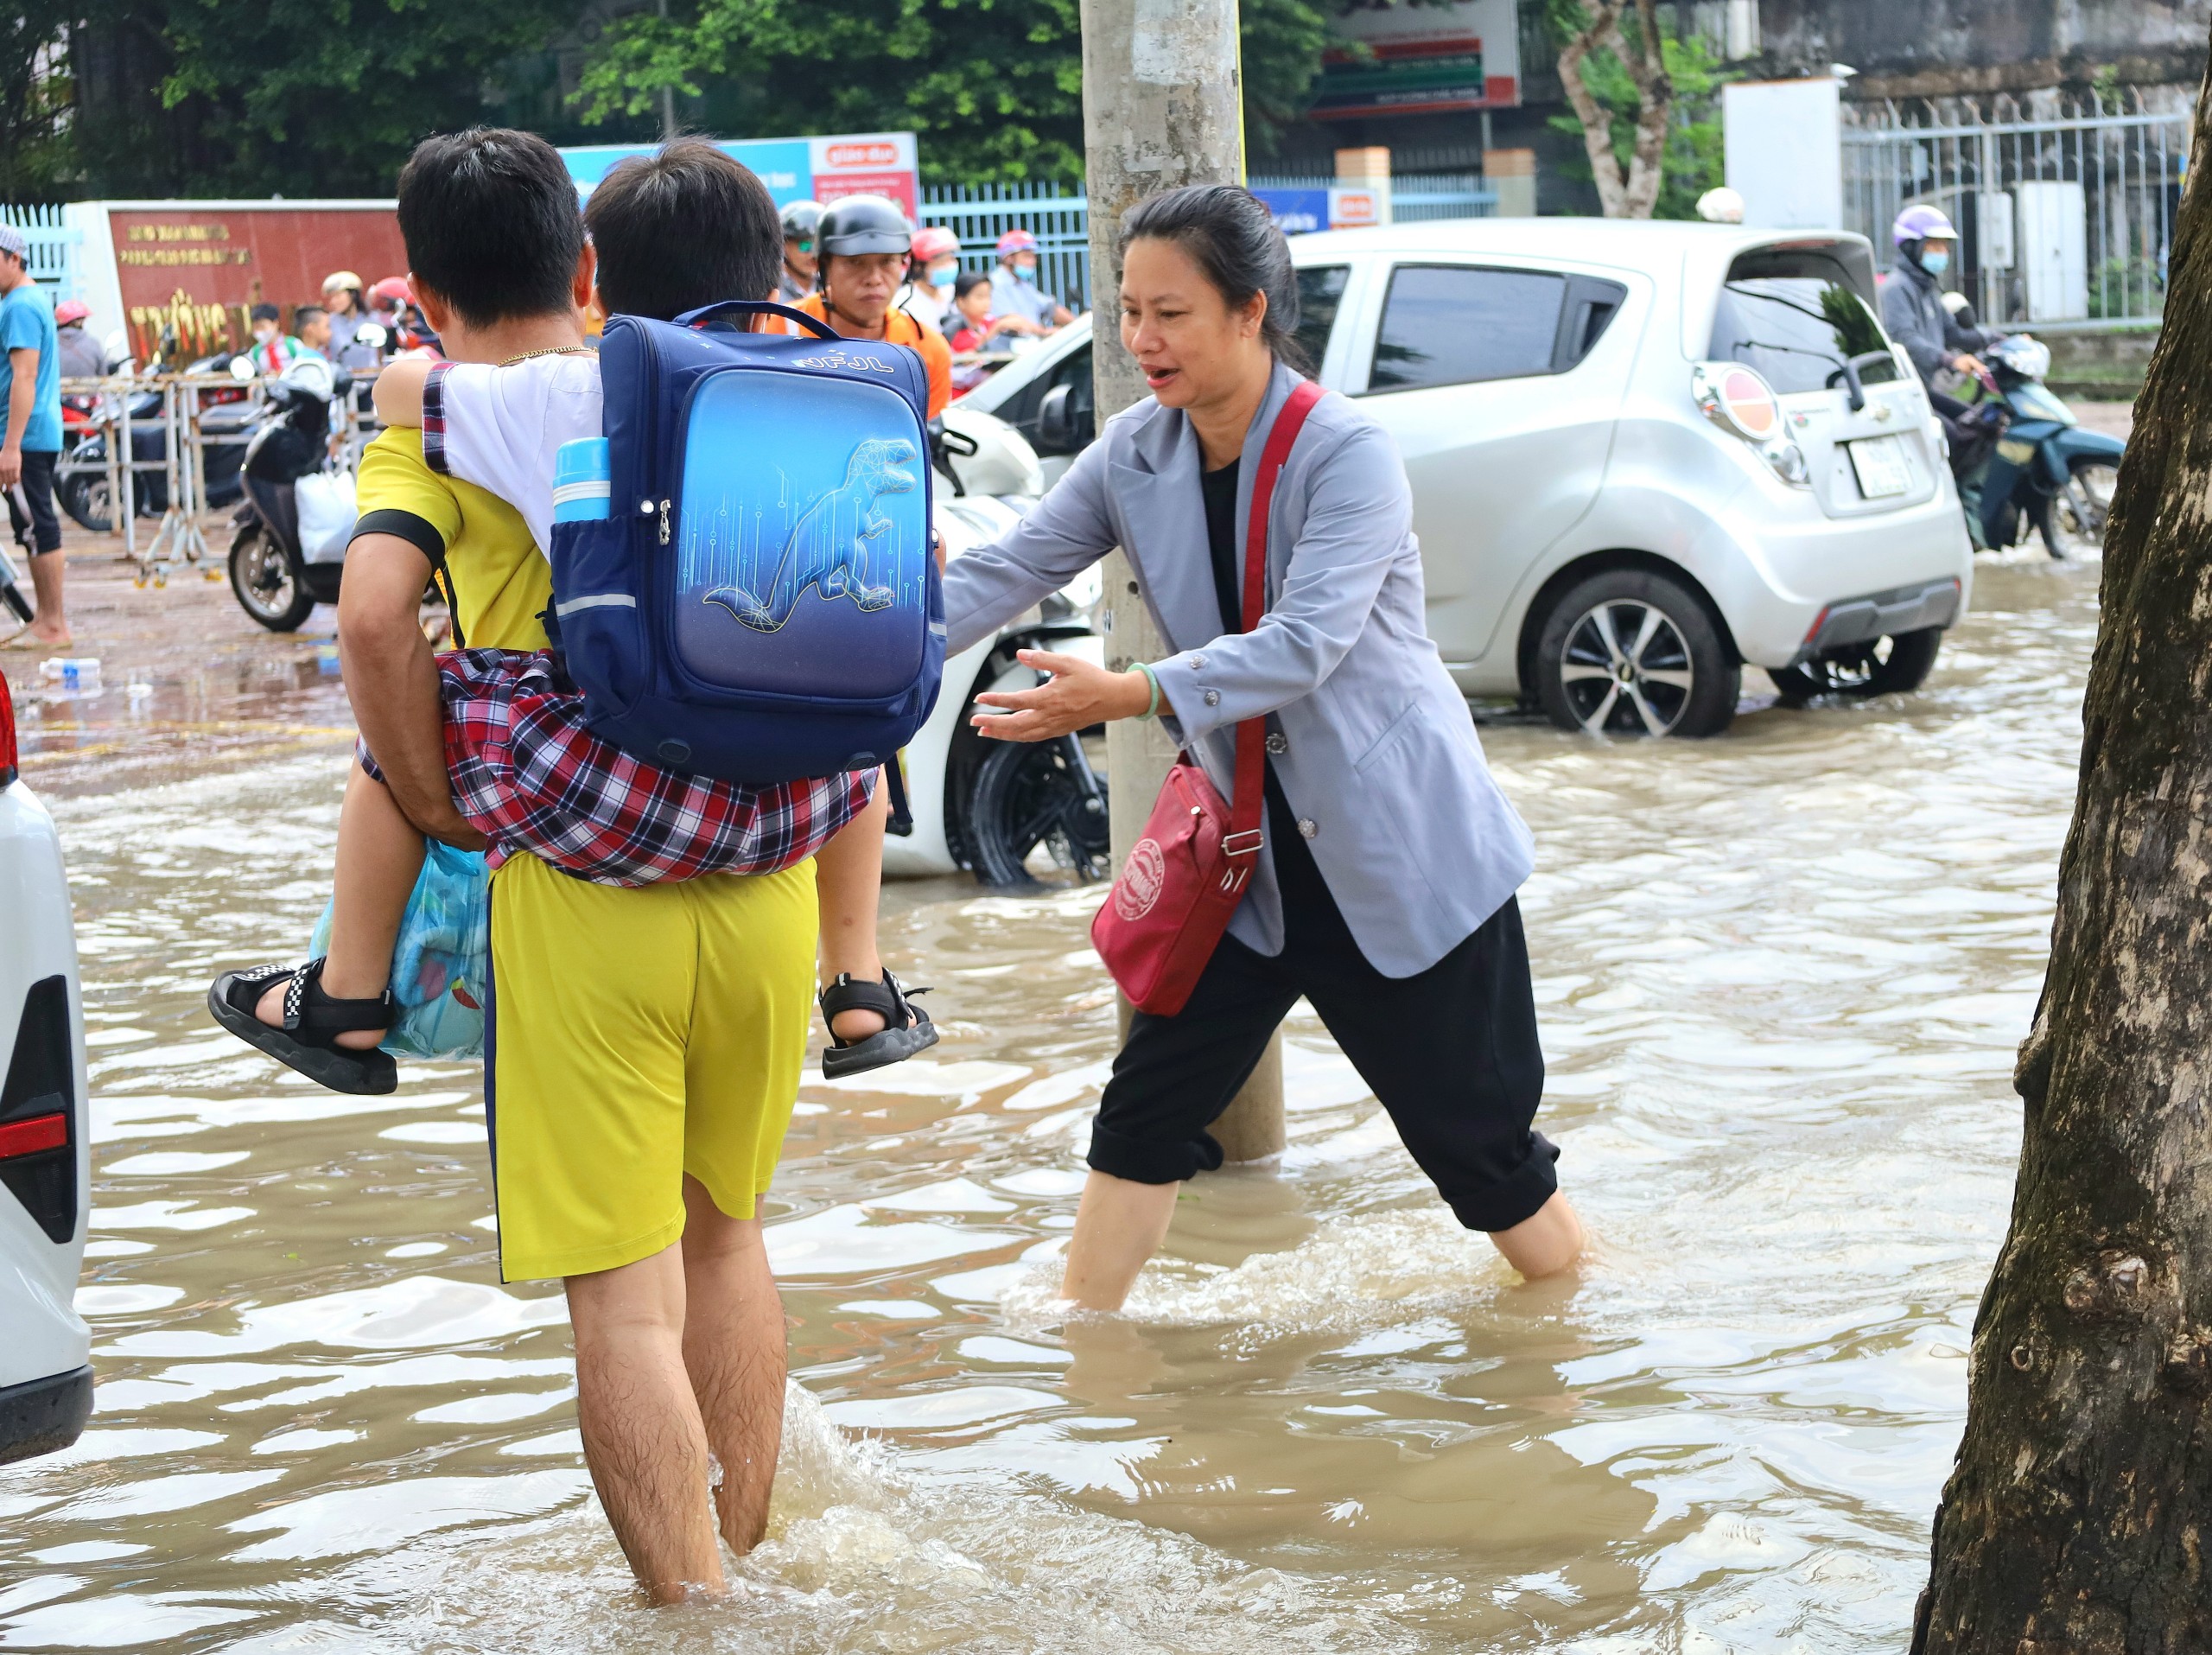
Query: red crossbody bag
(1174, 897)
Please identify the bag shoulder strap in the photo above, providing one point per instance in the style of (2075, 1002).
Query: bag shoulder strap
(1247, 801)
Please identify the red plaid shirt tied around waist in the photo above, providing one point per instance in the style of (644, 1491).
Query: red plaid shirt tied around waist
(528, 775)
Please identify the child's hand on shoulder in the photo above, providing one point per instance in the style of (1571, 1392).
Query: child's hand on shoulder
(398, 394)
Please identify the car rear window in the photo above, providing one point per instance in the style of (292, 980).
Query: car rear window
(1456, 324)
(1320, 291)
(1796, 318)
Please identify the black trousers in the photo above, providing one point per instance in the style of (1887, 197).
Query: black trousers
(30, 504)
(1450, 1052)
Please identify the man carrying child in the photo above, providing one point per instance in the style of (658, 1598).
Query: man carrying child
(645, 1031)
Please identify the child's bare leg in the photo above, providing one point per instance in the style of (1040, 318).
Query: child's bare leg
(848, 879)
(380, 855)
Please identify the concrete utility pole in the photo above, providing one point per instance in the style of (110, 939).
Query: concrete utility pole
(1162, 106)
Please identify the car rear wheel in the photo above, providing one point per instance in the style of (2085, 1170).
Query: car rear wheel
(267, 586)
(1634, 653)
(1882, 667)
(2072, 525)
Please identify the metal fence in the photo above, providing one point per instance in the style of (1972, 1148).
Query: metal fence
(2064, 221)
(53, 255)
(1058, 215)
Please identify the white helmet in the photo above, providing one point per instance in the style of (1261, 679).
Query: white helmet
(1721, 206)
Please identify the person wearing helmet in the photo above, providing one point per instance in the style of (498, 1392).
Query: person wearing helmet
(801, 220)
(80, 355)
(864, 246)
(936, 267)
(347, 306)
(1912, 299)
(1013, 284)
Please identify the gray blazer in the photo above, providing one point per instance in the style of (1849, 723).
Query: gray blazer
(1379, 758)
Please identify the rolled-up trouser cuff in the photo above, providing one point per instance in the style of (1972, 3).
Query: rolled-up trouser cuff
(1515, 1198)
(1152, 1160)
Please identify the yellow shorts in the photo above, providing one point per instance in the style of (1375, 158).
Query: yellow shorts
(636, 1035)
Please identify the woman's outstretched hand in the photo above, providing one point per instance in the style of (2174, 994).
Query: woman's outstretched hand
(1079, 694)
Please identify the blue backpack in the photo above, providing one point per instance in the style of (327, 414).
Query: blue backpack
(759, 602)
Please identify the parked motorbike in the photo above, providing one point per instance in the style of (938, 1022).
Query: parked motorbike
(82, 488)
(276, 577)
(2039, 469)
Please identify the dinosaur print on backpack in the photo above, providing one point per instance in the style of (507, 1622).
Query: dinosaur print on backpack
(827, 549)
(762, 603)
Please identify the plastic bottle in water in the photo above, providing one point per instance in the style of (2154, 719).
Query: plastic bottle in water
(583, 480)
(72, 675)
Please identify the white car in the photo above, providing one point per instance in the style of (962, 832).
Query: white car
(990, 806)
(45, 1379)
(1643, 455)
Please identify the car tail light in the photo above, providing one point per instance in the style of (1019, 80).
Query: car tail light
(38, 1162)
(1737, 400)
(7, 733)
(1742, 403)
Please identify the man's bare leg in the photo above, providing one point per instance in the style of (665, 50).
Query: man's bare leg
(379, 856)
(1544, 1244)
(642, 1439)
(848, 884)
(51, 625)
(733, 1344)
(1119, 1224)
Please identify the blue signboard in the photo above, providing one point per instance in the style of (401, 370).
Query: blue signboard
(1297, 211)
(794, 170)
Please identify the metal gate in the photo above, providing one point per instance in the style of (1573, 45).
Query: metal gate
(52, 256)
(2064, 221)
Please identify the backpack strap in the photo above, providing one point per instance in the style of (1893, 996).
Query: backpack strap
(706, 313)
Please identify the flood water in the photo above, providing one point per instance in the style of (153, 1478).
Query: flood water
(1782, 976)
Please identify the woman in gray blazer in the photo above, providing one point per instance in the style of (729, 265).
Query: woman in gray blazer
(1384, 892)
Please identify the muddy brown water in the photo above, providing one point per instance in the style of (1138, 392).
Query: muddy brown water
(1782, 976)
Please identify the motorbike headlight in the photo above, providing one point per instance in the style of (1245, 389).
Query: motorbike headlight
(1788, 460)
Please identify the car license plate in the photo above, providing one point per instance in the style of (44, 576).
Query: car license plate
(1881, 467)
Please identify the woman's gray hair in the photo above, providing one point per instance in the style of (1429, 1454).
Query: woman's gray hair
(1232, 237)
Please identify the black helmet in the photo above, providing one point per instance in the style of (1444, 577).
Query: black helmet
(799, 219)
(864, 224)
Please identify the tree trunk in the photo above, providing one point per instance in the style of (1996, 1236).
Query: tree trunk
(2077, 1517)
(1632, 195)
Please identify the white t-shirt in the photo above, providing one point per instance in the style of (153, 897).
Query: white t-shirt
(500, 427)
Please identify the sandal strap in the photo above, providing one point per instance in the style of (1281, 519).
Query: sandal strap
(309, 1012)
(888, 999)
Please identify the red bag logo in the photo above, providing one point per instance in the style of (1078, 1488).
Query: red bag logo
(1143, 877)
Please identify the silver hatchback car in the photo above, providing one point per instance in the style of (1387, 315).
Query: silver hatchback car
(1641, 455)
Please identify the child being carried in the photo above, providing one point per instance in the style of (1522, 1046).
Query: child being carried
(525, 769)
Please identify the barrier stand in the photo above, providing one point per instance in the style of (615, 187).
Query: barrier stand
(126, 492)
(196, 446)
(178, 539)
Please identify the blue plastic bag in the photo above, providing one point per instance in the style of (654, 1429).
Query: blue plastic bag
(441, 967)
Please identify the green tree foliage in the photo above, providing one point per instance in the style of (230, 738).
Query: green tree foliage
(294, 97)
(994, 88)
(35, 96)
(1692, 161)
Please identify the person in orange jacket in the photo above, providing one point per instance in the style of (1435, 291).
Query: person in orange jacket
(863, 244)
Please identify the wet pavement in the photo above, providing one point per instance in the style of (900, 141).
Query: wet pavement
(1782, 975)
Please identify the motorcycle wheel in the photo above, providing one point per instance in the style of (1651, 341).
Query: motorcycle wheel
(267, 585)
(2073, 524)
(1033, 794)
(86, 497)
(1885, 666)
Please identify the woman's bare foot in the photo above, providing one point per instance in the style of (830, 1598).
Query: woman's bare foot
(854, 1027)
(270, 1009)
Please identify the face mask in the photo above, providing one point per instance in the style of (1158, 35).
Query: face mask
(1026, 275)
(942, 275)
(1934, 263)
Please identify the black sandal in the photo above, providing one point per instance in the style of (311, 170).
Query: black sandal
(305, 1040)
(906, 1028)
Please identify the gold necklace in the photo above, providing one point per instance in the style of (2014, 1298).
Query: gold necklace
(552, 350)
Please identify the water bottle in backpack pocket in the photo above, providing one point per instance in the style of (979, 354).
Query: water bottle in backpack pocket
(751, 594)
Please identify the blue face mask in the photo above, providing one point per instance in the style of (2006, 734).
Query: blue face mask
(1935, 261)
(1026, 274)
(942, 275)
